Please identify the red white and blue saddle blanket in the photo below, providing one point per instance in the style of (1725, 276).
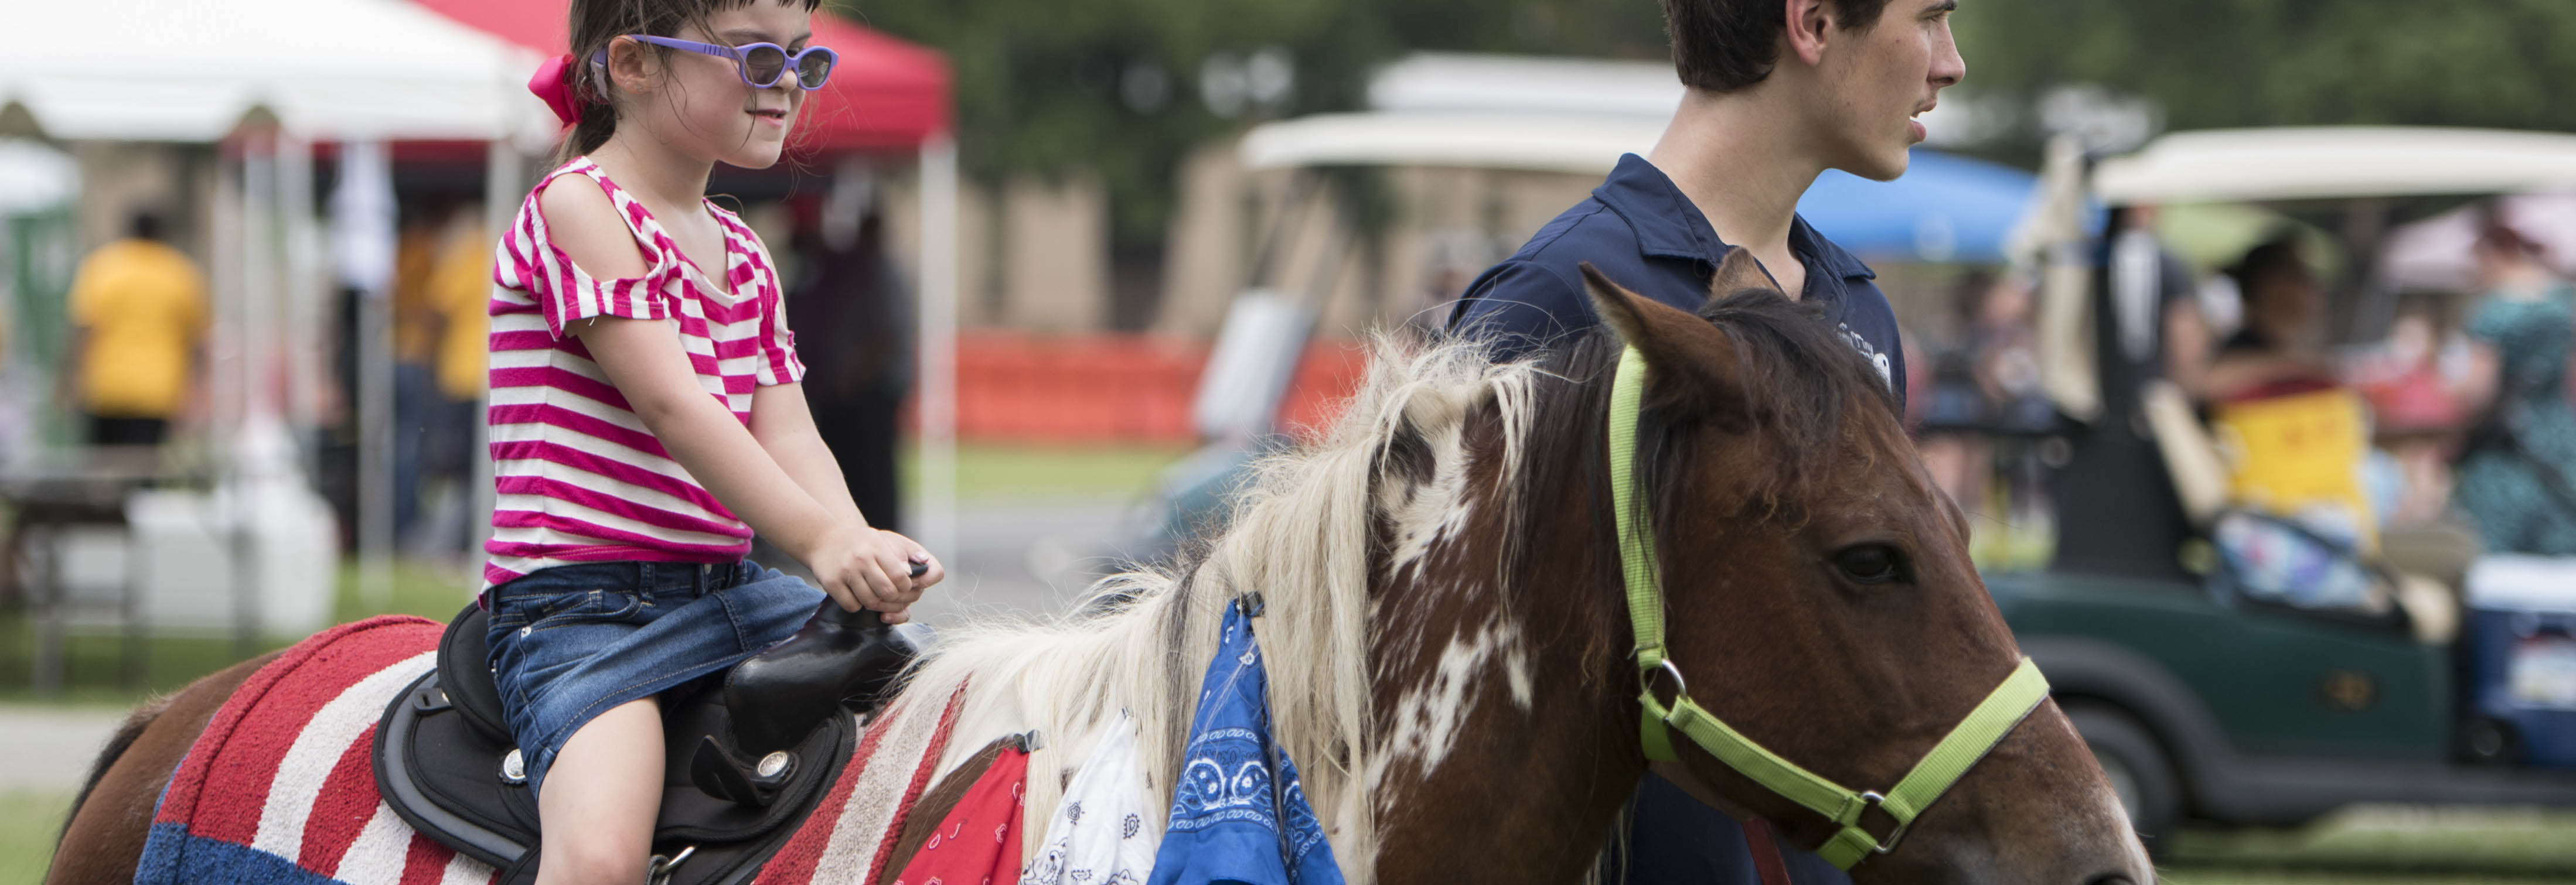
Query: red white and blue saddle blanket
(280, 789)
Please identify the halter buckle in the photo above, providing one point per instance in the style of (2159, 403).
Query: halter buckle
(1869, 800)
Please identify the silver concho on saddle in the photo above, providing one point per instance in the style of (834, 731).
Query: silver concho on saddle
(733, 790)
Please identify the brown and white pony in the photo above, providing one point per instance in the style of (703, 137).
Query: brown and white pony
(1447, 635)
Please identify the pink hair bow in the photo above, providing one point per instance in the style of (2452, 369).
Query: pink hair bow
(554, 84)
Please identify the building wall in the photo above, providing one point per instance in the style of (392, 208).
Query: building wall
(1032, 255)
(1055, 255)
(118, 178)
(1449, 225)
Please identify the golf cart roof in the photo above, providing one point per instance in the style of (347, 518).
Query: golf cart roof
(1527, 140)
(2336, 162)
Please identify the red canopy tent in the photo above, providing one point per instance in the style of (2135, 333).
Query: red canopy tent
(887, 94)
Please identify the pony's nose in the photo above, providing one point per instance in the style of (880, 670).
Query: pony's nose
(2114, 877)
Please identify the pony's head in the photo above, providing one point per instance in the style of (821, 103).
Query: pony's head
(1820, 599)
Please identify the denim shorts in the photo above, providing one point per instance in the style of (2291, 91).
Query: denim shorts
(570, 642)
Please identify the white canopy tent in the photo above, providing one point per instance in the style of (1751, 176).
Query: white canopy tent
(188, 70)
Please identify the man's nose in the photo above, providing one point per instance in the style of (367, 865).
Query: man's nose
(1947, 67)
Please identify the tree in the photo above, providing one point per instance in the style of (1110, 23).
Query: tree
(2214, 63)
(1112, 87)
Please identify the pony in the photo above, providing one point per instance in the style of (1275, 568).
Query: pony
(1447, 635)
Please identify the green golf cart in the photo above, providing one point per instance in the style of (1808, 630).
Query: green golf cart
(2202, 707)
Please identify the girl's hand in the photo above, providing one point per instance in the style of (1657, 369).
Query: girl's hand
(861, 567)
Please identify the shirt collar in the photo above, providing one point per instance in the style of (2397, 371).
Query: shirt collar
(1667, 225)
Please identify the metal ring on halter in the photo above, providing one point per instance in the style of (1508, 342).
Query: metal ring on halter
(1870, 800)
(1681, 689)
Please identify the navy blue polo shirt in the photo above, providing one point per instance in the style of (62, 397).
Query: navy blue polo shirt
(1638, 228)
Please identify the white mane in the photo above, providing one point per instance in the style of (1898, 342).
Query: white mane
(1300, 536)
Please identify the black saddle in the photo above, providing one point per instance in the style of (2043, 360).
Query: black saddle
(444, 761)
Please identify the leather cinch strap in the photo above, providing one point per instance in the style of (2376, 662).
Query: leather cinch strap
(1966, 743)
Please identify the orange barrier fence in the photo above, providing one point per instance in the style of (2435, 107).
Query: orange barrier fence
(1019, 387)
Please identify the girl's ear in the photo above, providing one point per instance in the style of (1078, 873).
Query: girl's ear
(630, 67)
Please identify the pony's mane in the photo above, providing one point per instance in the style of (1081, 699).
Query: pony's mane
(1302, 534)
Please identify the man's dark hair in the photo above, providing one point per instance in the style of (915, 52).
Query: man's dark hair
(1726, 45)
(144, 226)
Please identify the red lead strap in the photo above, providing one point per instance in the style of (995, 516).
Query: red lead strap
(1767, 862)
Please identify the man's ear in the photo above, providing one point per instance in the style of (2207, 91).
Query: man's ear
(1740, 272)
(1810, 23)
(1690, 363)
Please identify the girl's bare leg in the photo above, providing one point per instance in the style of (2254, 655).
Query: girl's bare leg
(597, 805)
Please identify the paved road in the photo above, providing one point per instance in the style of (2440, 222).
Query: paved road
(49, 749)
(1018, 557)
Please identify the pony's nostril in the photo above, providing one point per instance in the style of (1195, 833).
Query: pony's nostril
(2110, 879)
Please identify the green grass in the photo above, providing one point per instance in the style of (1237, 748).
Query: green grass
(2385, 844)
(93, 665)
(989, 472)
(29, 821)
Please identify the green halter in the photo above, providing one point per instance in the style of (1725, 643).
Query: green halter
(1970, 741)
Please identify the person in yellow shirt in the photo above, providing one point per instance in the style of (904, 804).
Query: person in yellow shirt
(138, 311)
(458, 295)
(460, 291)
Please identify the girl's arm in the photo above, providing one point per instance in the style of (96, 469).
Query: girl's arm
(784, 424)
(858, 566)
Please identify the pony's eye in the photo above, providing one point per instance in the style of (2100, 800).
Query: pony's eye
(1871, 564)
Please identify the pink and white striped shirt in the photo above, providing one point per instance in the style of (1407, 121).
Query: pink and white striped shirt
(579, 477)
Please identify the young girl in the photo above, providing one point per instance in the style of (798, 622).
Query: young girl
(646, 417)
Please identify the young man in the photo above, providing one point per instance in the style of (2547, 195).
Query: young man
(1778, 92)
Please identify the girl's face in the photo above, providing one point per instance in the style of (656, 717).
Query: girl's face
(699, 104)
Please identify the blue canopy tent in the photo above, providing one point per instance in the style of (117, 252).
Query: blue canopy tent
(1947, 209)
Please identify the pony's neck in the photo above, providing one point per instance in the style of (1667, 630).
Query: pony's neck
(1505, 747)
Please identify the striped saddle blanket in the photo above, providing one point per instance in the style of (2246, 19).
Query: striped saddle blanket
(281, 790)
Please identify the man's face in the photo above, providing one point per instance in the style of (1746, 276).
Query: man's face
(1877, 80)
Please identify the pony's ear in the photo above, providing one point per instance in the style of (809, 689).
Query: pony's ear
(1692, 362)
(1739, 272)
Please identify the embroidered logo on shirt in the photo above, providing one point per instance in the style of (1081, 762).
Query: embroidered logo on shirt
(1876, 359)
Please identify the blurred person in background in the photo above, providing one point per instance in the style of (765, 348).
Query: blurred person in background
(2117, 509)
(2517, 478)
(2410, 380)
(1776, 94)
(2283, 339)
(459, 295)
(852, 310)
(415, 329)
(1984, 405)
(139, 317)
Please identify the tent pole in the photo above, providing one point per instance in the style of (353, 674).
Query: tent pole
(366, 164)
(504, 171)
(935, 411)
(303, 274)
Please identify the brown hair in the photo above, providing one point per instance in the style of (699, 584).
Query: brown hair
(1726, 45)
(596, 23)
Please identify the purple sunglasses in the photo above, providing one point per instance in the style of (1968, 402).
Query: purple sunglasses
(761, 64)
